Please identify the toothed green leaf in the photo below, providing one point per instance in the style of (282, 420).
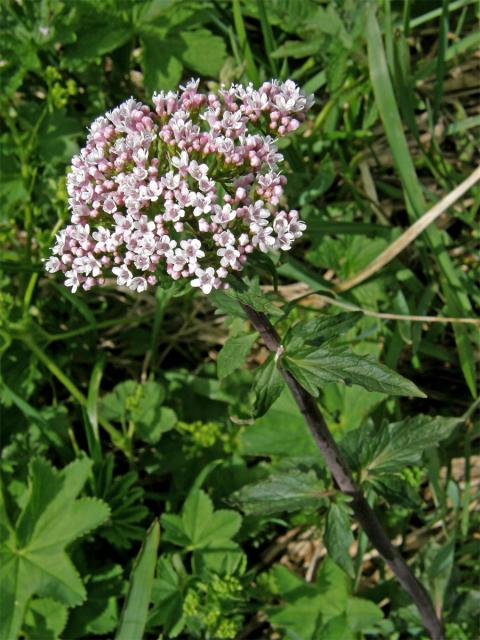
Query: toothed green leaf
(33, 559)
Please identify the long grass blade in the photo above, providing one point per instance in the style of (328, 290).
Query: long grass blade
(440, 74)
(458, 303)
(135, 610)
(243, 42)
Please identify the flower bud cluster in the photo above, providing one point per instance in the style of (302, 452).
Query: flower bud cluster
(187, 189)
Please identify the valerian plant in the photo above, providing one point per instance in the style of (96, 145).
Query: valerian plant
(187, 191)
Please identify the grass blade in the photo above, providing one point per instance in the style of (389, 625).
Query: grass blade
(135, 610)
(267, 36)
(458, 303)
(440, 74)
(91, 423)
(252, 72)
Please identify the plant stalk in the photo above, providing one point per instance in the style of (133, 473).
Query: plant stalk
(344, 479)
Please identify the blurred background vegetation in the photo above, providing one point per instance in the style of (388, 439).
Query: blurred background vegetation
(131, 379)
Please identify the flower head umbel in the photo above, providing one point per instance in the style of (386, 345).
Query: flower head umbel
(187, 189)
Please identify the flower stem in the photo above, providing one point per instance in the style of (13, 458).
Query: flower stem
(346, 483)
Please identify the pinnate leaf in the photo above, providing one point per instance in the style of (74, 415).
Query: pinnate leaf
(317, 367)
(338, 536)
(233, 353)
(325, 327)
(268, 385)
(402, 443)
(279, 493)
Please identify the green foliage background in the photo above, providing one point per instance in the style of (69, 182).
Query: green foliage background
(121, 410)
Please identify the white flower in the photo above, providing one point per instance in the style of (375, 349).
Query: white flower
(229, 256)
(263, 238)
(171, 180)
(61, 240)
(53, 264)
(88, 265)
(122, 223)
(138, 284)
(223, 215)
(192, 249)
(204, 184)
(184, 196)
(81, 234)
(165, 245)
(203, 204)
(177, 260)
(182, 162)
(205, 279)
(124, 277)
(258, 214)
(72, 281)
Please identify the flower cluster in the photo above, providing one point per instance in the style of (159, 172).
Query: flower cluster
(186, 189)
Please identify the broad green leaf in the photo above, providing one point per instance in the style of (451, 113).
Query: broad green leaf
(339, 537)
(255, 301)
(393, 446)
(113, 405)
(325, 327)
(320, 184)
(140, 404)
(226, 304)
(301, 618)
(134, 614)
(316, 610)
(57, 137)
(100, 33)
(280, 432)
(280, 493)
(202, 51)
(362, 615)
(33, 558)
(45, 619)
(267, 385)
(167, 598)
(336, 628)
(99, 614)
(199, 525)
(439, 564)
(204, 526)
(314, 368)
(162, 68)
(154, 9)
(233, 353)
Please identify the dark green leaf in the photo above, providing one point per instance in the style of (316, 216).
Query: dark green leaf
(280, 432)
(100, 34)
(396, 445)
(33, 558)
(256, 301)
(268, 386)
(325, 327)
(162, 68)
(203, 52)
(233, 353)
(315, 368)
(279, 493)
(167, 598)
(339, 537)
